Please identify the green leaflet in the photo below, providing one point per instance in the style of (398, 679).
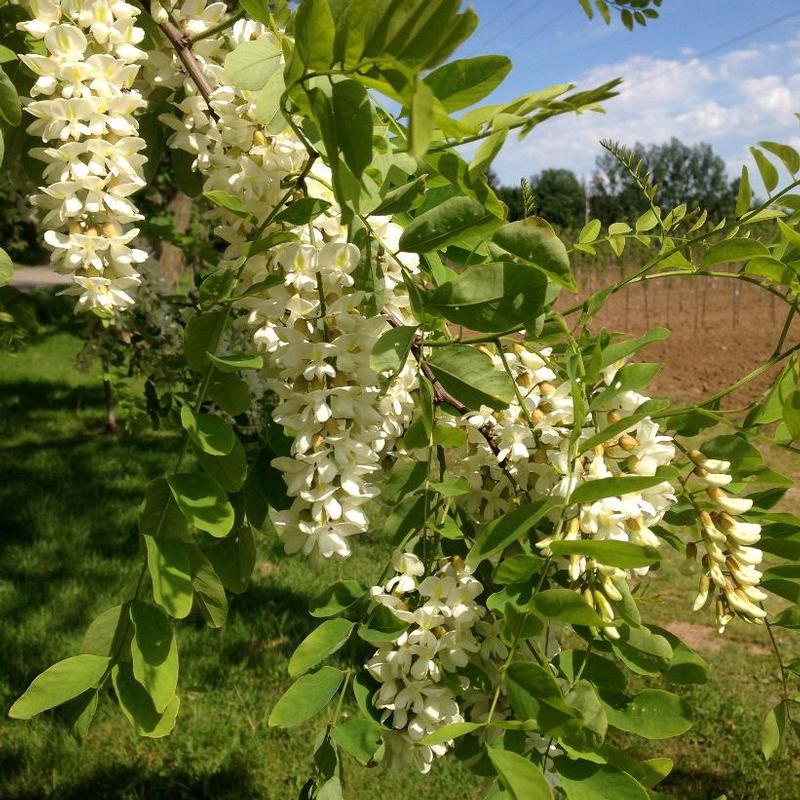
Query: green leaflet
(582, 780)
(252, 64)
(59, 683)
(491, 297)
(625, 555)
(457, 218)
(511, 527)
(306, 697)
(322, 642)
(523, 779)
(471, 377)
(652, 713)
(464, 82)
(137, 706)
(535, 242)
(203, 502)
(154, 653)
(210, 433)
(170, 573)
(564, 605)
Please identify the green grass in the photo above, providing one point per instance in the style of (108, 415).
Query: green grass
(69, 496)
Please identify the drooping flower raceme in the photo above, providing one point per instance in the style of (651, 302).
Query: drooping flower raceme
(302, 305)
(84, 104)
(729, 576)
(539, 454)
(422, 675)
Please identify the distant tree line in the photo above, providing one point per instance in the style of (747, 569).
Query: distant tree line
(693, 174)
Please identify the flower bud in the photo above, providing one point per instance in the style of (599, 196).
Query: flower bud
(628, 442)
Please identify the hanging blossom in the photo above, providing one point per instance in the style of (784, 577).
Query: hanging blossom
(423, 673)
(84, 103)
(729, 575)
(303, 307)
(534, 458)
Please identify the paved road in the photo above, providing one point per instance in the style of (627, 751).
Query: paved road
(36, 277)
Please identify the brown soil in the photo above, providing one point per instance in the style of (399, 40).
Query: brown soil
(699, 637)
(720, 329)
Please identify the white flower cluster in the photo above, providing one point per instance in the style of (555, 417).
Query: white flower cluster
(535, 440)
(421, 686)
(306, 317)
(730, 561)
(84, 104)
(318, 348)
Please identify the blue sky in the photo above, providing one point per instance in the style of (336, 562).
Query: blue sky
(731, 98)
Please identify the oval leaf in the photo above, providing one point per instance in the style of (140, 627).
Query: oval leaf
(203, 502)
(535, 242)
(522, 778)
(491, 297)
(59, 683)
(155, 653)
(455, 218)
(306, 697)
(210, 433)
(319, 644)
(625, 555)
(470, 376)
(566, 606)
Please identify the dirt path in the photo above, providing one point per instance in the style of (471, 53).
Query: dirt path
(37, 277)
(719, 330)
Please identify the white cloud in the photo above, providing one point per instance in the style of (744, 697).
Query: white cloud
(730, 100)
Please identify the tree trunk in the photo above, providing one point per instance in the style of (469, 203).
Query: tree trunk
(172, 260)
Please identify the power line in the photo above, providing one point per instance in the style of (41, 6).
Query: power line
(715, 49)
(530, 37)
(513, 22)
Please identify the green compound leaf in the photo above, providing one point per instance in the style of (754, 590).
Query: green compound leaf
(306, 697)
(322, 642)
(203, 502)
(59, 683)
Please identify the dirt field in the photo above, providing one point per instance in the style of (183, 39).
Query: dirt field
(720, 330)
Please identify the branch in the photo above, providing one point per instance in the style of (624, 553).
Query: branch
(440, 394)
(183, 47)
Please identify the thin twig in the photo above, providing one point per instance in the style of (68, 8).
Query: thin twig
(183, 47)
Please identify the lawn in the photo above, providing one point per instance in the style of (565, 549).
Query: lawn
(68, 550)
